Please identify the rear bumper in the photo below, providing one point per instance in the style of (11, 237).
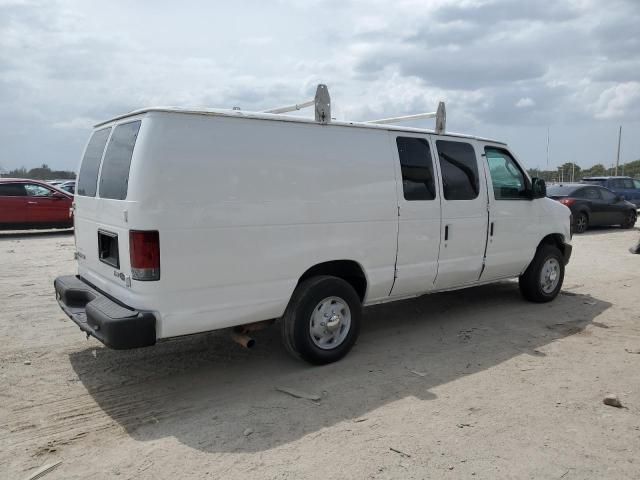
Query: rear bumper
(114, 324)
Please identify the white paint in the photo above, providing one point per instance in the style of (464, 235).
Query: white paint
(246, 203)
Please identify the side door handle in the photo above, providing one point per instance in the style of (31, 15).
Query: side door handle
(491, 230)
(32, 203)
(446, 233)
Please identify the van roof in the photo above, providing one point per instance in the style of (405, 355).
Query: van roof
(217, 112)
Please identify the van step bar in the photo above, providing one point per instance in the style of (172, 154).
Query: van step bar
(114, 324)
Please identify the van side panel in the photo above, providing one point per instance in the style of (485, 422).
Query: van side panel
(245, 206)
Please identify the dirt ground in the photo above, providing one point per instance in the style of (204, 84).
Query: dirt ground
(472, 384)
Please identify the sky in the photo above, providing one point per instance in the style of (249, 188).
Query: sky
(509, 70)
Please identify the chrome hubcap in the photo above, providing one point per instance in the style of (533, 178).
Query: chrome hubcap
(330, 323)
(550, 275)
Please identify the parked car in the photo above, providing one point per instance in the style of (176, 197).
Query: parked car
(55, 183)
(30, 204)
(195, 220)
(624, 186)
(68, 186)
(593, 205)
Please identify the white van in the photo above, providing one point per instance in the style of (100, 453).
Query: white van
(194, 220)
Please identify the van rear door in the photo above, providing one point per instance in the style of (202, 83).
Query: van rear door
(102, 204)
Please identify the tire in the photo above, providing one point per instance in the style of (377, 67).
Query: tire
(303, 329)
(630, 219)
(581, 223)
(538, 283)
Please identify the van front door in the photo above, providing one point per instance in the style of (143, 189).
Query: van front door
(418, 216)
(464, 214)
(514, 219)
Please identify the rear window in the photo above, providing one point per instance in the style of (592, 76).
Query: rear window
(560, 190)
(114, 179)
(88, 176)
(12, 190)
(595, 181)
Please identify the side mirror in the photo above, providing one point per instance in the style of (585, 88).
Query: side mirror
(58, 196)
(538, 188)
(619, 198)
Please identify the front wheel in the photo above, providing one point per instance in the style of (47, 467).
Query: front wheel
(322, 321)
(542, 280)
(629, 219)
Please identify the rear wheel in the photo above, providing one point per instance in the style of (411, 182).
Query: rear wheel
(582, 223)
(322, 321)
(542, 280)
(629, 219)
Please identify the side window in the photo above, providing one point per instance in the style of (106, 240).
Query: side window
(37, 190)
(417, 168)
(88, 176)
(590, 193)
(593, 194)
(507, 178)
(114, 178)
(628, 183)
(12, 190)
(607, 195)
(616, 183)
(459, 170)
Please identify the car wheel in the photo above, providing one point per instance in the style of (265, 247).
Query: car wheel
(581, 223)
(322, 321)
(542, 280)
(630, 219)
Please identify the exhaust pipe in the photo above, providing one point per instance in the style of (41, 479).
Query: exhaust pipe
(239, 333)
(243, 340)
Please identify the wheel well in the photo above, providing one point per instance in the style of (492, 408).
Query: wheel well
(555, 239)
(348, 270)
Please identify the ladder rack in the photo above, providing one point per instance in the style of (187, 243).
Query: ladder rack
(322, 103)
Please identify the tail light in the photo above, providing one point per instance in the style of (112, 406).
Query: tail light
(144, 251)
(567, 201)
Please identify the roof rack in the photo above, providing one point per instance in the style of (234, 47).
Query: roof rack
(322, 103)
(440, 115)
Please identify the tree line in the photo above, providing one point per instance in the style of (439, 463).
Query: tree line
(40, 173)
(570, 172)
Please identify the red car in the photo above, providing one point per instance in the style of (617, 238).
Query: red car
(27, 204)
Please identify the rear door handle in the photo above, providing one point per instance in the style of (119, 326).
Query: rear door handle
(491, 232)
(446, 232)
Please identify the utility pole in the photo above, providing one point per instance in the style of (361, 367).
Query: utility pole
(547, 148)
(573, 172)
(618, 155)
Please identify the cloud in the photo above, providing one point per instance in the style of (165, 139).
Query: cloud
(525, 102)
(497, 63)
(615, 101)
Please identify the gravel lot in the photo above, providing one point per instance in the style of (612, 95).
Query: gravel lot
(471, 384)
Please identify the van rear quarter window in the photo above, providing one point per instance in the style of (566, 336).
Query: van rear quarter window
(114, 179)
(88, 176)
(417, 168)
